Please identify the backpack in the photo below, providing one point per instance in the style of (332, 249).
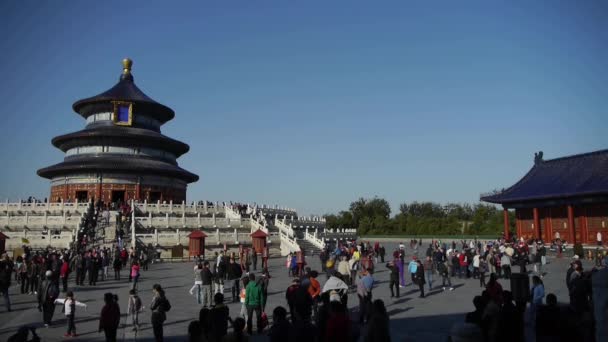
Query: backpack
(137, 303)
(165, 305)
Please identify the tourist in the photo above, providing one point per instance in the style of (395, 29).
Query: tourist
(264, 282)
(412, 268)
(481, 270)
(429, 270)
(314, 289)
(206, 283)
(47, 293)
(64, 273)
(476, 316)
(378, 327)
(505, 264)
(195, 332)
(6, 272)
(418, 277)
(109, 319)
(238, 334)
(353, 265)
(219, 274)
(344, 269)
(364, 292)
(135, 274)
(254, 259)
(443, 271)
(338, 325)
(134, 306)
(598, 238)
(160, 306)
(233, 274)
(494, 289)
(290, 296)
(218, 319)
(280, 329)
(254, 298)
(394, 277)
(69, 308)
(382, 252)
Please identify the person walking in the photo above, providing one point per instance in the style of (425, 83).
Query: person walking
(109, 320)
(429, 270)
(253, 302)
(133, 308)
(364, 292)
(505, 264)
(254, 259)
(418, 277)
(64, 273)
(233, 274)
(482, 269)
(47, 293)
(394, 277)
(135, 274)
(206, 283)
(160, 306)
(443, 271)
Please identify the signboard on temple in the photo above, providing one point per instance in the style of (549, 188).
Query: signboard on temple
(123, 113)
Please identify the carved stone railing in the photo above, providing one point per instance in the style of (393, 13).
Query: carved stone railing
(255, 225)
(288, 244)
(314, 239)
(284, 227)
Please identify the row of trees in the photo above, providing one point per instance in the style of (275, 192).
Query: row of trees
(373, 216)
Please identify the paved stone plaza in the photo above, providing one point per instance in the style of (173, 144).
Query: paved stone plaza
(412, 318)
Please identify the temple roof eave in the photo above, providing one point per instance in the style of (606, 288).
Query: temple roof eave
(118, 164)
(122, 137)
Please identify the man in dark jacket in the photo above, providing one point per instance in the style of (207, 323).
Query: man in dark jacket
(254, 259)
(233, 274)
(218, 318)
(47, 293)
(394, 278)
(207, 280)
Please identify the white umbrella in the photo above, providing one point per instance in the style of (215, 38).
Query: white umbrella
(334, 283)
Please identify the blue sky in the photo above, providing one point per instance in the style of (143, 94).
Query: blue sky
(314, 104)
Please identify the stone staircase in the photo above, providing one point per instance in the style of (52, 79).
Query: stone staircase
(308, 247)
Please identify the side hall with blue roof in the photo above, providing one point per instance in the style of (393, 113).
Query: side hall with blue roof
(565, 198)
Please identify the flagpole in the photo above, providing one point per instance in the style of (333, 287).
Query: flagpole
(133, 224)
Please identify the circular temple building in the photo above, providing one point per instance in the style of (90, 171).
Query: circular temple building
(120, 154)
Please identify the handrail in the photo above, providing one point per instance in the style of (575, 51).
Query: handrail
(314, 240)
(231, 213)
(255, 225)
(284, 227)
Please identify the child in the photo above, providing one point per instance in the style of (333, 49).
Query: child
(69, 308)
(134, 308)
(245, 281)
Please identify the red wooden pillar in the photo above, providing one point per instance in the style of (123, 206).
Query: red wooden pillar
(571, 224)
(505, 214)
(536, 223)
(138, 192)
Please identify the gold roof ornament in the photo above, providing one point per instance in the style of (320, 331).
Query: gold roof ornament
(127, 63)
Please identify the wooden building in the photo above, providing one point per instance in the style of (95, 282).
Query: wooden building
(564, 197)
(120, 154)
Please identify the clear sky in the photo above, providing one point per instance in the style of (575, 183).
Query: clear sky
(312, 104)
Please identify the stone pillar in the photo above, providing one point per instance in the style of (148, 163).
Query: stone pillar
(167, 218)
(505, 214)
(198, 216)
(150, 220)
(171, 206)
(177, 236)
(158, 206)
(571, 224)
(217, 235)
(155, 236)
(236, 237)
(214, 222)
(146, 205)
(536, 223)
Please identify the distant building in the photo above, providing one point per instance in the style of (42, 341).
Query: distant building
(565, 197)
(121, 153)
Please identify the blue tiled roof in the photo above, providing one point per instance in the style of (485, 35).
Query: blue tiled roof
(572, 176)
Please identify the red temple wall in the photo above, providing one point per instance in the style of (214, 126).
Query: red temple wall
(588, 220)
(69, 192)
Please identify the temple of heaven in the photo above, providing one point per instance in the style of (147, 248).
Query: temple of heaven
(120, 154)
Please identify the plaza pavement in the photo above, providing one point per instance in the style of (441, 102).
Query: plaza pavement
(412, 318)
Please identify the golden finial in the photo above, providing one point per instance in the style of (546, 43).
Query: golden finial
(126, 66)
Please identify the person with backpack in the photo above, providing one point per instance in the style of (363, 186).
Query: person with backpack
(133, 308)
(47, 293)
(109, 319)
(160, 306)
